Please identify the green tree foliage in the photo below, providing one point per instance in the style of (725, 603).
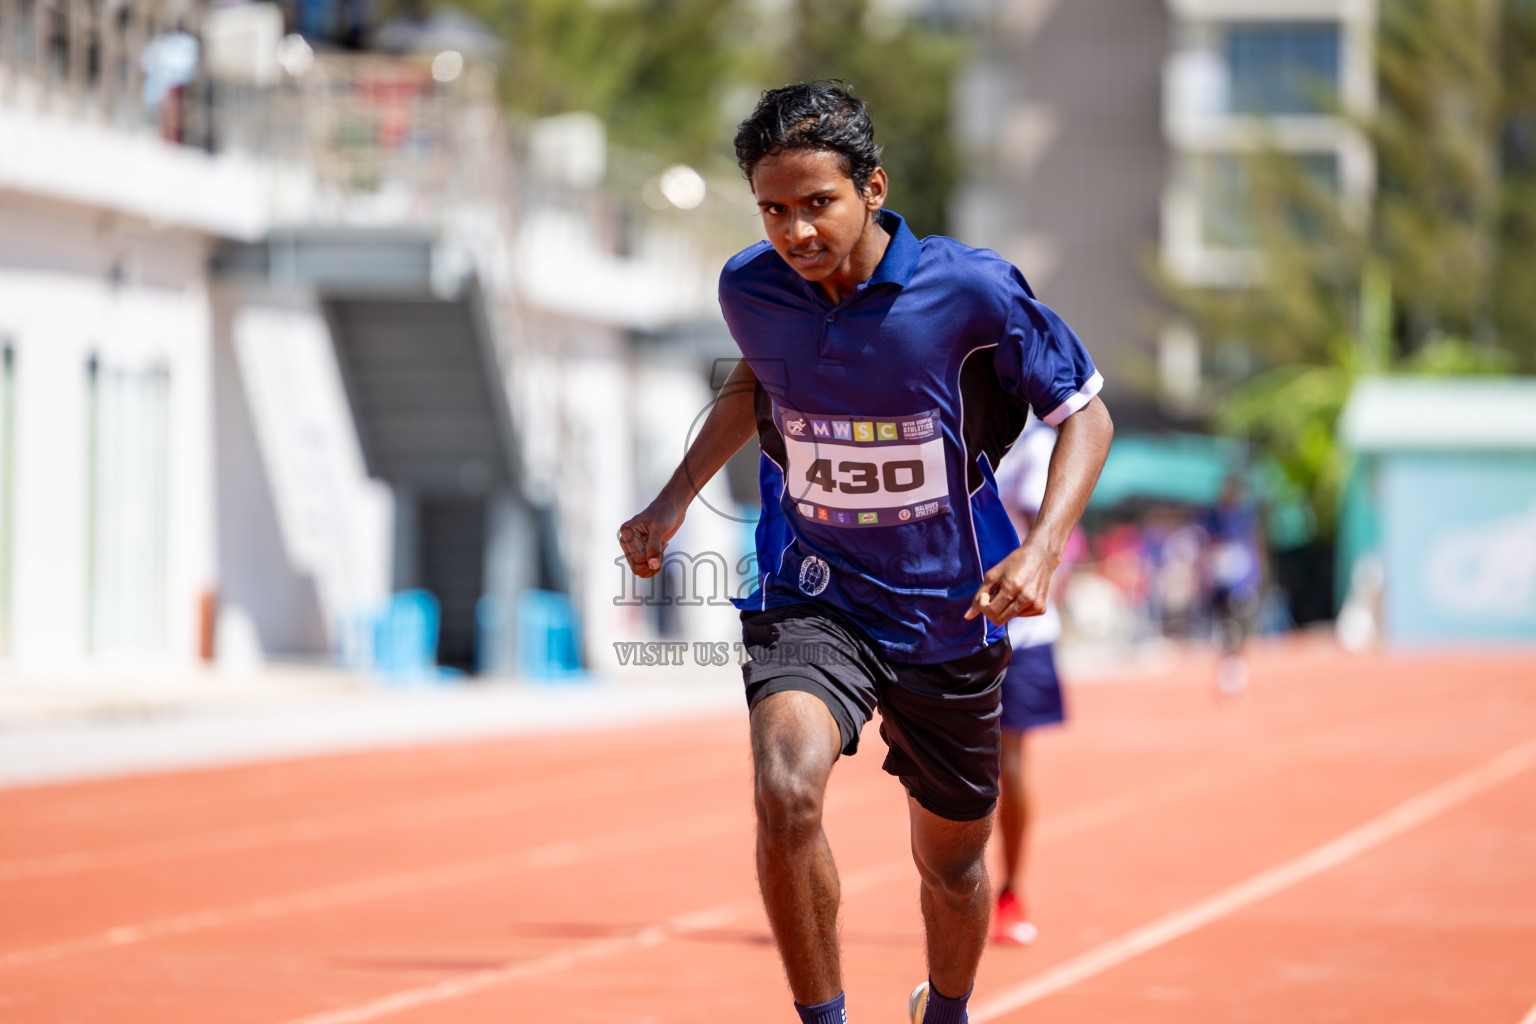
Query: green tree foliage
(904, 72)
(1436, 276)
(673, 77)
(652, 69)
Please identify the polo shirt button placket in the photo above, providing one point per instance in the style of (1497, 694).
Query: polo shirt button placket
(829, 357)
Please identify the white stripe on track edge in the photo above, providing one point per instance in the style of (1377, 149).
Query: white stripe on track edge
(403, 814)
(558, 854)
(1412, 812)
(550, 855)
(585, 952)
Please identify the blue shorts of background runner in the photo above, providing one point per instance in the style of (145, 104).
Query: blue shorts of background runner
(1032, 690)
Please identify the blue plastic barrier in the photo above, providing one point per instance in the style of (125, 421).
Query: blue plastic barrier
(405, 638)
(548, 637)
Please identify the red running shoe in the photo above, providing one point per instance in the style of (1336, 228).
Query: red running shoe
(1010, 924)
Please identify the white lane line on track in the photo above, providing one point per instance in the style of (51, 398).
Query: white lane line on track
(319, 827)
(1407, 815)
(356, 773)
(315, 828)
(581, 953)
(550, 855)
(563, 853)
(1529, 1018)
(403, 883)
(868, 878)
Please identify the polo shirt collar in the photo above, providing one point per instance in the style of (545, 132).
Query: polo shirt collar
(901, 255)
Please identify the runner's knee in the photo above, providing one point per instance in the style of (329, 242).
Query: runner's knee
(794, 745)
(789, 797)
(954, 875)
(955, 883)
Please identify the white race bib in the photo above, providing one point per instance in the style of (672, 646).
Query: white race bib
(865, 470)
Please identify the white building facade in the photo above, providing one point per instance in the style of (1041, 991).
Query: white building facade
(124, 484)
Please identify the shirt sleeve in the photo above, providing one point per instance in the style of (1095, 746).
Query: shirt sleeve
(1042, 361)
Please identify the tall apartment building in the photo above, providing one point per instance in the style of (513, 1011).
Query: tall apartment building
(1105, 143)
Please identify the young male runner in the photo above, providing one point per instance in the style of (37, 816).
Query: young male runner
(884, 377)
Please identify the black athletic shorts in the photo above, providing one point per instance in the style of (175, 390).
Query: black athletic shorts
(940, 723)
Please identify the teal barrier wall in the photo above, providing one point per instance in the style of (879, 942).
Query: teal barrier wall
(1458, 541)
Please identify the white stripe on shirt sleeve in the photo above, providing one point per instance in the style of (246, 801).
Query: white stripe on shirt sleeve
(1076, 401)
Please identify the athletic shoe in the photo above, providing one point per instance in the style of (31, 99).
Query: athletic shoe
(917, 1003)
(1010, 924)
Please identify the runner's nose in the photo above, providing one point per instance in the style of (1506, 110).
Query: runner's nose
(800, 230)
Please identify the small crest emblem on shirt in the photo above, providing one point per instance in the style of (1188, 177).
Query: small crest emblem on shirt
(815, 574)
(904, 514)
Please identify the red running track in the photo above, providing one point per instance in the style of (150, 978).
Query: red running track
(1353, 840)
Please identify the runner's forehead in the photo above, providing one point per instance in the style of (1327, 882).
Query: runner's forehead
(798, 176)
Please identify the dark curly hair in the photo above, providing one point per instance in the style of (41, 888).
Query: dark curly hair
(816, 115)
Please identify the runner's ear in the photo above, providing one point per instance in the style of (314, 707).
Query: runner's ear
(875, 190)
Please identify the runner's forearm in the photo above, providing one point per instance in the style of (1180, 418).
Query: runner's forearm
(731, 423)
(1082, 444)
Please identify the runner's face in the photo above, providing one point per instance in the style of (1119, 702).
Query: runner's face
(816, 220)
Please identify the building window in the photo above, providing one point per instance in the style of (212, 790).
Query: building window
(127, 494)
(1226, 195)
(21, 27)
(56, 63)
(89, 25)
(122, 71)
(1283, 67)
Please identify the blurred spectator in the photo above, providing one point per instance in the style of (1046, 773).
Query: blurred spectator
(169, 62)
(1031, 688)
(1178, 590)
(1234, 573)
(1177, 569)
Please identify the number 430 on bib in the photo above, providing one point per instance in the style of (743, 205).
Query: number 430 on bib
(851, 477)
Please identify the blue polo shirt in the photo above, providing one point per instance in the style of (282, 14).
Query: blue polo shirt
(881, 419)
